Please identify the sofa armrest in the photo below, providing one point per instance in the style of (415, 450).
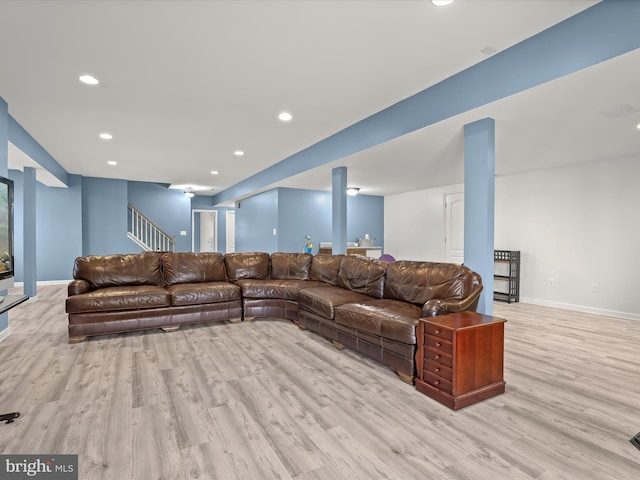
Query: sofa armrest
(77, 287)
(439, 307)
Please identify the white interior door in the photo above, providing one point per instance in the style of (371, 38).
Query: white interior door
(231, 231)
(454, 227)
(204, 230)
(208, 231)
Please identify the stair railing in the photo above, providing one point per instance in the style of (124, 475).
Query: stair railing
(147, 234)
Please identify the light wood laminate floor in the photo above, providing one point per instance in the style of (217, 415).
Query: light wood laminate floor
(265, 400)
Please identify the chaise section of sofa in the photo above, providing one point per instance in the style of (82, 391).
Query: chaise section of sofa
(376, 307)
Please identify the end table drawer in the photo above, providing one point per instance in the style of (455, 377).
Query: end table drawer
(438, 331)
(438, 344)
(438, 382)
(438, 356)
(437, 369)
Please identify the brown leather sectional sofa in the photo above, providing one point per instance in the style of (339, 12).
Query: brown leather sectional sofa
(364, 304)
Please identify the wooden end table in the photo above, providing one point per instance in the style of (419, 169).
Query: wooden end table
(460, 358)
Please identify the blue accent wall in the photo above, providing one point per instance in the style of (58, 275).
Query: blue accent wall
(167, 208)
(104, 217)
(365, 214)
(302, 213)
(256, 217)
(297, 213)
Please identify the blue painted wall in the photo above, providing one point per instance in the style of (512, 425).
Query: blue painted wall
(256, 217)
(308, 212)
(168, 208)
(296, 213)
(302, 213)
(58, 228)
(104, 217)
(365, 214)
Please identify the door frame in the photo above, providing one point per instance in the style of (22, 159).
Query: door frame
(193, 227)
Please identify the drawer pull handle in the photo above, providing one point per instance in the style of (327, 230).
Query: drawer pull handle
(437, 369)
(438, 344)
(437, 357)
(437, 382)
(437, 330)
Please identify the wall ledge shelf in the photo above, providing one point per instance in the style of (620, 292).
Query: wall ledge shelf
(7, 302)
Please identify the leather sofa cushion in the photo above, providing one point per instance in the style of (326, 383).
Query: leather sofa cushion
(363, 275)
(187, 267)
(134, 297)
(203, 293)
(418, 282)
(390, 319)
(290, 266)
(325, 268)
(273, 288)
(247, 265)
(324, 300)
(119, 270)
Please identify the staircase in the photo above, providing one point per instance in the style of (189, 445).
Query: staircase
(147, 234)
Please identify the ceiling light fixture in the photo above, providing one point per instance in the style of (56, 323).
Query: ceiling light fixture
(88, 79)
(285, 117)
(112, 162)
(638, 126)
(238, 153)
(189, 193)
(441, 3)
(105, 136)
(353, 191)
(214, 172)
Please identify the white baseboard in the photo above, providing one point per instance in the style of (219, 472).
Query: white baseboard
(45, 282)
(581, 308)
(4, 334)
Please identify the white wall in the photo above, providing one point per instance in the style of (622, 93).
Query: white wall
(577, 225)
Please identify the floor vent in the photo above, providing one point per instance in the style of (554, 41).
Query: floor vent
(635, 441)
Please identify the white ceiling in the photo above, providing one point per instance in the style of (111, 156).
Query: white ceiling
(185, 83)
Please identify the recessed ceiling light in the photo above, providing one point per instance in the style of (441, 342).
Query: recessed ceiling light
(89, 79)
(105, 136)
(112, 162)
(638, 126)
(285, 117)
(238, 153)
(441, 3)
(214, 172)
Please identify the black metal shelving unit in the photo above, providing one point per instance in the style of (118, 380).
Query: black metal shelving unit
(512, 277)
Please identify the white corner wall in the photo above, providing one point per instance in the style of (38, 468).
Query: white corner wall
(577, 225)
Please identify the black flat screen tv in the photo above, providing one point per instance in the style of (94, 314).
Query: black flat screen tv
(6, 231)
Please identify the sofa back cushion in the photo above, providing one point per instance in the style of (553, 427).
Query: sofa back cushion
(325, 268)
(119, 270)
(418, 282)
(290, 266)
(247, 265)
(187, 267)
(362, 275)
